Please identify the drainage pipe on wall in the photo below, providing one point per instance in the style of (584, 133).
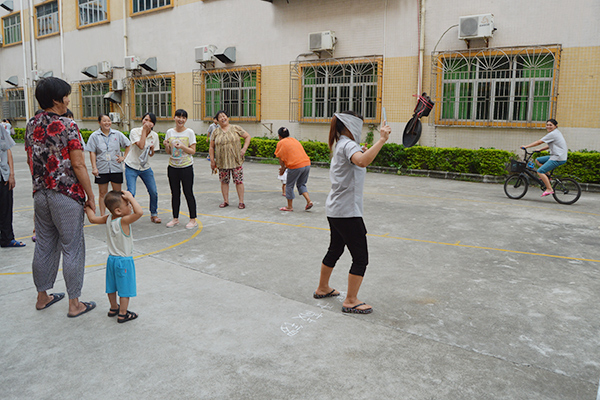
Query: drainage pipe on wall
(32, 38)
(62, 41)
(126, 89)
(25, 84)
(421, 45)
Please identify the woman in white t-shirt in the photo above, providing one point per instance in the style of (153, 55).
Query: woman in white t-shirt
(180, 144)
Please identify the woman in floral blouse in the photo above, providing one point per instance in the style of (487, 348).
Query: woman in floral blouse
(227, 155)
(60, 184)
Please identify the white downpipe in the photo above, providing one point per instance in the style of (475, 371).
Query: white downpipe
(25, 84)
(62, 40)
(385, 10)
(32, 38)
(125, 38)
(421, 46)
(125, 45)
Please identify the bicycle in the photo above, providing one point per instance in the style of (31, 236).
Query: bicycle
(566, 190)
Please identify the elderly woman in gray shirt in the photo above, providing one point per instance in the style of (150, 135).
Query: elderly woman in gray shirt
(105, 146)
(344, 206)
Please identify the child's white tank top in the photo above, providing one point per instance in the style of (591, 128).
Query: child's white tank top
(119, 244)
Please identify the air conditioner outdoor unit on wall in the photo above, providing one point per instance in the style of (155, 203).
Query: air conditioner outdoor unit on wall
(104, 67)
(476, 26)
(117, 84)
(114, 117)
(132, 62)
(319, 41)
(205, 53)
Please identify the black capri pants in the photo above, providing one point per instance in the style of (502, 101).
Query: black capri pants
(350, 232)
(179, 177)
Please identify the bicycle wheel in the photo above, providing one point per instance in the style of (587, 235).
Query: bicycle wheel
(566, 190)
(412, 132)
(515, 186)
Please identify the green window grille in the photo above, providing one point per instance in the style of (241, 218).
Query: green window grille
(12, 29)
(336, 87)
(154, 95)
(92, 100)
(234, 91)
(498, 87)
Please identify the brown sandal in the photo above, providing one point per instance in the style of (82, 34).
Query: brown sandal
(224, 204)
(155, 219)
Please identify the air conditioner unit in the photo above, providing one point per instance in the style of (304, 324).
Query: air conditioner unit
(117, 84)
(104, 67)
(319, 41)
(205, 53)
(114, 117)
(132, 62)
(476, 26)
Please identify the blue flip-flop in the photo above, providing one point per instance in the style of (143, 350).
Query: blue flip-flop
(14, 243)
(56, 297)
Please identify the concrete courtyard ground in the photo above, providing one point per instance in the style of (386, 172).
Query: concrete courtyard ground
(475, 296)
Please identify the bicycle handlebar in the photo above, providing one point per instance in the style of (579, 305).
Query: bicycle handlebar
(527, 152)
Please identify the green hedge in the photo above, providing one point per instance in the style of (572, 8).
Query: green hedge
(583, 165)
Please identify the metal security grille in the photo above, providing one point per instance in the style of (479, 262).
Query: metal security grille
(146, 5)
(323, 87)
(47, 18)
(197, 94)
(92, 11)
(234, 90)
(153, 94)
(14, 103)
(12, 29)
(496, 87)
(93, 102)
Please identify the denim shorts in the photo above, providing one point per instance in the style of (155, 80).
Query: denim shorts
(547, 164)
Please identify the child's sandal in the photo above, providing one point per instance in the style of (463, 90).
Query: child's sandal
(113, 312)
(126, 317)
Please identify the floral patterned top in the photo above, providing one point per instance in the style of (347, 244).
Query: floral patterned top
(48, 140)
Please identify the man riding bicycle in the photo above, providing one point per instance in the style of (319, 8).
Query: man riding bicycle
(557, 145)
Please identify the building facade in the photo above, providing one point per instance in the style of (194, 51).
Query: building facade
(295, 62)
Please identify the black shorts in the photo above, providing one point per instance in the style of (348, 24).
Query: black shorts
(105, 178)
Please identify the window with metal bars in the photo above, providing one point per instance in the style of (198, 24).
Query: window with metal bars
(12, 29)
(47, 18)
(92, 99)
(154, 95)
(497, 88)
(13, 106)
(334, 87)
(235, 91)
(138, 6)
(92, 12)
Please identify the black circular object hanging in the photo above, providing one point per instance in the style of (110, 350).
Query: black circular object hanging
(412, 132)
